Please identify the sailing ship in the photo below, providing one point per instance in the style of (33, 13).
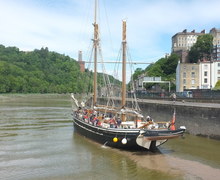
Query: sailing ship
(120, 126)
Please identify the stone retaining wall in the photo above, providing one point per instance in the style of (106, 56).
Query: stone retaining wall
(204, 121)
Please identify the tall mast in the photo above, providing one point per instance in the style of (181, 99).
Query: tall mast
(123, 101)
(95, 44)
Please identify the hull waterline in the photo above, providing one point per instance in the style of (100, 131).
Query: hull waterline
(129, 139)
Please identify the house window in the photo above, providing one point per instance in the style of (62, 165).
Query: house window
(205, 66)
(192, 74)
(184, 74)
(218, 78)
(205, 73)
(193, 67)
(218, 64)
(193, 81)
(218, 71)
(184, 81)
(205, 80)
(184, 87)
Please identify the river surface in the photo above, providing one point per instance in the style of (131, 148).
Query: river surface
(37, 141)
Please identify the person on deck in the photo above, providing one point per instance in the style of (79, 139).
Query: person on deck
(148, 119)
(112, 122)
(118, 121)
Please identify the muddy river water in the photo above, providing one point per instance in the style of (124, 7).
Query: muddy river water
(37, 141)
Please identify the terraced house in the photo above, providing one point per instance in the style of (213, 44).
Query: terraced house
(201, 75)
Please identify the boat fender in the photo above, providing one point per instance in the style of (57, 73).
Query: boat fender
(115, 139)
(124, 141)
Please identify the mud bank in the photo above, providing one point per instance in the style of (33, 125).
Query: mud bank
(173, 165)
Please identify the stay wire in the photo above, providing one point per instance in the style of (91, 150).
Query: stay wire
(134, 98)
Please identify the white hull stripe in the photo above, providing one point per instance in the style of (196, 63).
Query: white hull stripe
(88, 129)
(112, 129)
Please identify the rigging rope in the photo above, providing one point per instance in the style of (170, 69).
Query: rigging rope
(134, 98)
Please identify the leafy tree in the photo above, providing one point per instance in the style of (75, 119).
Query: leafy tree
(137, 73)
(42, 71)
(202, 49)
(165, 68)
(148, 86)
(170, 64)
(217, 85)
(155, 69)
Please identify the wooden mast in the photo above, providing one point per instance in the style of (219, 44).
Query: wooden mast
(95, 44)
(123, 100)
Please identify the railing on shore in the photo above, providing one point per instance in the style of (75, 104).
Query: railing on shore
(196, 96)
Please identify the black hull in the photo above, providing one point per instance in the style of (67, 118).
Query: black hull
(105, 135)
(102, 136)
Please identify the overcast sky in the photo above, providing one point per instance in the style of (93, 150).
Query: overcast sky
(65, 26)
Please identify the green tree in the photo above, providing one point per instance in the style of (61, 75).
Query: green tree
(156, 68)
(202, 49)
(137, 73)
(165, 68)
(42, 71)
(170, 64)
(217, 85)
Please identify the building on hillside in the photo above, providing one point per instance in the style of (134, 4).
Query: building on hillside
(216, 44)
(187, 76)
(202, 75)
(139, 83)
(81, 62)
(183, 41)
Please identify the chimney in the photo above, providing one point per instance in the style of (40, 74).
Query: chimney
(203, 31)
(81, 62)
(185, 31)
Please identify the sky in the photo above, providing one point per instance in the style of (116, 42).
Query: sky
(65, 26)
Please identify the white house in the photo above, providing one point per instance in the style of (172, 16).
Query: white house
(202, 75)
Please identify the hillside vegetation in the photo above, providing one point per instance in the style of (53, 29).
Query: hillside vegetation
(164, 68)
(41, 71)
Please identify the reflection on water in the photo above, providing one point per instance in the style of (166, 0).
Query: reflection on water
(195, 148)
(37, 141)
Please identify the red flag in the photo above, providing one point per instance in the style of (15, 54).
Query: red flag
(172, 125)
